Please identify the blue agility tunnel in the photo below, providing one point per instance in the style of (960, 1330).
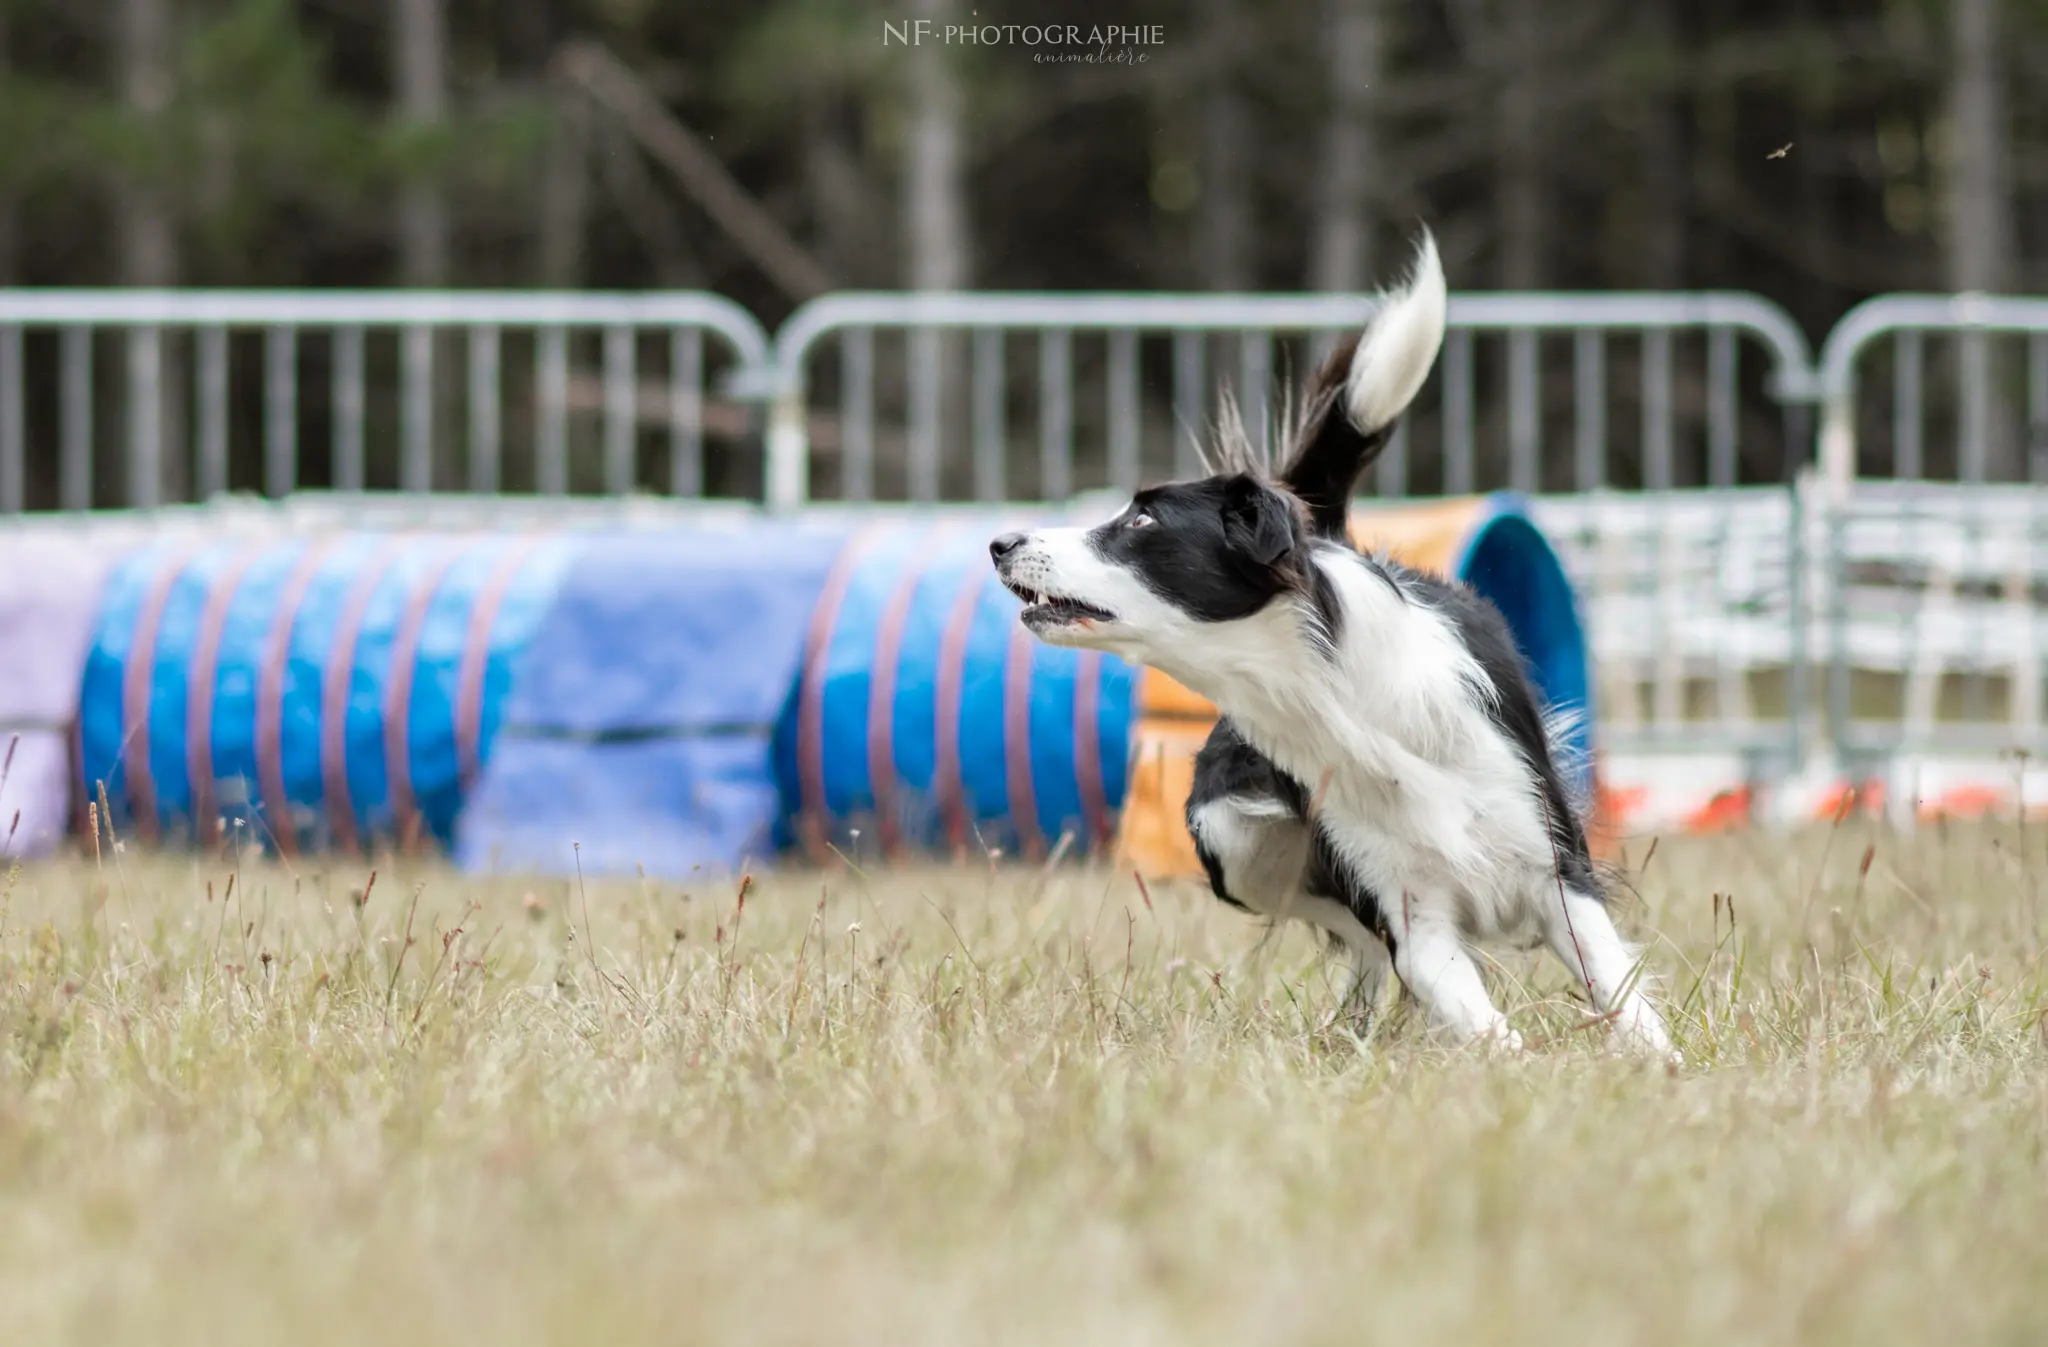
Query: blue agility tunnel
(637, 732)
(322, 691)
(926, 719)
(1508, 559)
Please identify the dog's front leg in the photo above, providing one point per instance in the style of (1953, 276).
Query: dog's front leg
(1582, 936)
(1433, 963)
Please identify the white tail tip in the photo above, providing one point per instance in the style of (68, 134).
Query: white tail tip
(1400, 343)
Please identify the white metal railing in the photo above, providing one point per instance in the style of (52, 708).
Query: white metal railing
(1989, 407)
(1932, 594)
(1906, 335)
(157, 418)
(1689, 600)
(1935, 576)
(145, 323)
(1256, 323)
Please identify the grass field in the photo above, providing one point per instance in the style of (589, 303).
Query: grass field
(994, 1105)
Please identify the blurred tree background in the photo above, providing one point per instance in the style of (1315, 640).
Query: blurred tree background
(1598, 144)
(1816, 151)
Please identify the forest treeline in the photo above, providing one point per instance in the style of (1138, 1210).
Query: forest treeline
(1814, 150)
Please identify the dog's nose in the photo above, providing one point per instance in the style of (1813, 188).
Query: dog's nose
(1003, 546)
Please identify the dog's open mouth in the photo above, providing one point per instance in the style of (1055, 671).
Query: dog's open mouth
(1051, 610)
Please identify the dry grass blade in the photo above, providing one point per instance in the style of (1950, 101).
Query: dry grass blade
(404, 948)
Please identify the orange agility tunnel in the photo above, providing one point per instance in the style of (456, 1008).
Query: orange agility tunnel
(1489, 542)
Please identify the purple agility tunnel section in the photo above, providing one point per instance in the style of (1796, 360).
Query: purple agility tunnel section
(49, 586)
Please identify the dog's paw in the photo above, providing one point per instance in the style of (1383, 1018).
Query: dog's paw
(1502, 1040)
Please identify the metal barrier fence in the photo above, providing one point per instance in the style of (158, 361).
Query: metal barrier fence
(1976, 363)
(1999, 413)
(1932, 598)
(51, 343)
(1693, 602)
(1685, 430)
(1936, 564)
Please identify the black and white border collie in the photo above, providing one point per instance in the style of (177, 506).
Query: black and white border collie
(1383, 770)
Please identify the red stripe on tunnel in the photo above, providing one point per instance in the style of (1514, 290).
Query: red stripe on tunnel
(1018, 672)
(882, 688)
(405, 646)
(277, 806)
(476, 658)
(948, 780)
(137, 674)
(810, 713)
(199, 688)
(1094, 790)
(335, 684)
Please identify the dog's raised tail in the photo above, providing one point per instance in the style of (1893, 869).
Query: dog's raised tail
(1363, 388)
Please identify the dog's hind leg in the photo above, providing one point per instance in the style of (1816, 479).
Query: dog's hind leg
(1246, 825)
(1581, 934)
(1245, 817)
(1366, 965)
(1254, 850)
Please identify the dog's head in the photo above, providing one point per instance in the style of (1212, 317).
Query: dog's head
(1144, 584)
(1153, 583)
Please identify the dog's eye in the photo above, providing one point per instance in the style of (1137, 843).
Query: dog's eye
(1138, 521)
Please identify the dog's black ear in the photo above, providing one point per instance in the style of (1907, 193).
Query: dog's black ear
(1258, 525)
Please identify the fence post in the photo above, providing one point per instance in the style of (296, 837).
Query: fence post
(789, 448)
(1838, 439)
(145, 467)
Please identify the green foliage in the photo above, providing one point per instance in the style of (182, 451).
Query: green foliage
(279, 143)
(39, 131)
(800, 53)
